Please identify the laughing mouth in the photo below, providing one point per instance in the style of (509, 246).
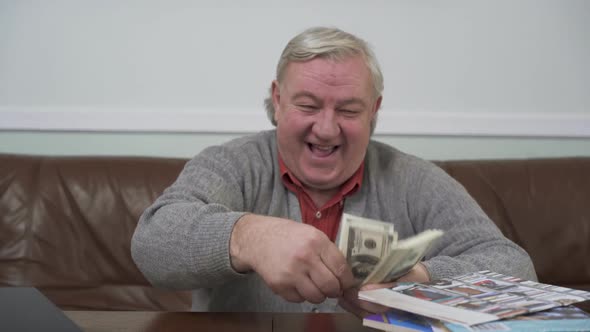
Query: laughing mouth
(322, 150)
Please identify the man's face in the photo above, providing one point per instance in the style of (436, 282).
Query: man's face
(323, 113)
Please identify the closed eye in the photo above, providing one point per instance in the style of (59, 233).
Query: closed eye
(349, 112)
(307, 107)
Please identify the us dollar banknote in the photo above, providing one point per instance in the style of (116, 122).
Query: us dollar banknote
(403, 256)
(374, 253)
(365, 242)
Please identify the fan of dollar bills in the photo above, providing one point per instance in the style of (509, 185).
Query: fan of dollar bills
(374, 253)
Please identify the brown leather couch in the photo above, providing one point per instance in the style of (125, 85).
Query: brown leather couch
(66, 222)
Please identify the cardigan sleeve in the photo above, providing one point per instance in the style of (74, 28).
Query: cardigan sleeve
(471, 242)
(182, 239)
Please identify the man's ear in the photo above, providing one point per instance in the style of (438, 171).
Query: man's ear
(276, 98)
(377, 105)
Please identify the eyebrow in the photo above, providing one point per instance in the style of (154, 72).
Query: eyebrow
(352, 101)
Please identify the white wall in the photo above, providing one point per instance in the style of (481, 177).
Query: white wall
(452, 68)
(186, 145)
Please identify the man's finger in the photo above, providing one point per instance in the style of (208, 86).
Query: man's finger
(292, 295)
(335, 261)
(360, 313)
(370, 306)
(309, 291)
(351, 296)
(324, 279)
(378, 286)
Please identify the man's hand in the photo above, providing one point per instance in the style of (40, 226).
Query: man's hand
(418, 273)
(351, 303)
(297, 261)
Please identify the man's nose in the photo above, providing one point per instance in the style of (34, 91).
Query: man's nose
(326, 124)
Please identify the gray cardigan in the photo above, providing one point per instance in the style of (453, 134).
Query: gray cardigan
(182, 240)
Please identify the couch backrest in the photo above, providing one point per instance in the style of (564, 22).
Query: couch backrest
(541, 204)
(66, 225)
(66, 222)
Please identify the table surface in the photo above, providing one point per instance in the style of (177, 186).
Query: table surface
(98, 321)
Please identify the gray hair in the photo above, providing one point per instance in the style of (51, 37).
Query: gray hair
(329, 43)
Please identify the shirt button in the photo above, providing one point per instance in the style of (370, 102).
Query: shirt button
(315, 310)
(318, 214)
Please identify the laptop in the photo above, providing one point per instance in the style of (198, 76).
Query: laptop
(26, 309)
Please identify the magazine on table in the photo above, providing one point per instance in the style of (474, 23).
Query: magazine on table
(558, 319)
(401, 321)
(474, 298)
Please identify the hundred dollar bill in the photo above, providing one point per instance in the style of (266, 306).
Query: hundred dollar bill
(402, 257)
(365, 242)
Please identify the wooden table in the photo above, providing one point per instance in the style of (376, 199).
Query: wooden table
(99, 321)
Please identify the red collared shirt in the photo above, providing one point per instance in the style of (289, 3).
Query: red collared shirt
(327, 217)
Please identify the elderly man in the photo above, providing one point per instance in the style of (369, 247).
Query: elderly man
(254, 220)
